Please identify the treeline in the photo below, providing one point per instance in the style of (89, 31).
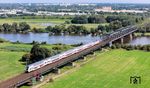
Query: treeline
(144, 28)
(131, 47)
(21, 27)
(82, 30)
(125, 20)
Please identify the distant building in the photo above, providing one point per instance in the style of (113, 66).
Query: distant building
(109, 9)
(58, 13)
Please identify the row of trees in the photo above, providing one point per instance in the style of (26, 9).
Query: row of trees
(21, 27)
(71, 30)
(90, 19)
(131, 47)
(82, 30)
(144, 28)
(125, 20)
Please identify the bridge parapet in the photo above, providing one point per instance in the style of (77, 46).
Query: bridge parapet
(120, 34)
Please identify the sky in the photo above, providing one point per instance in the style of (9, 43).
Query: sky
(74, 1)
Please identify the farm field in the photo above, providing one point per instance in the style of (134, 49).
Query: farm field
(109, 70)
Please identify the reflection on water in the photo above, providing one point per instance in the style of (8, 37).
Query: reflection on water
(41, 37)
(140, 41)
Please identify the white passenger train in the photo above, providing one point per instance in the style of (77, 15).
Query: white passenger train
(55, 58)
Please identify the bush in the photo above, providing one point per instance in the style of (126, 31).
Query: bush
(131, 47)
(2, 40)
(25, 57)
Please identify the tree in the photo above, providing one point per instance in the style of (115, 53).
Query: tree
(39, 53)
(14, 27)
(73, 29)
(79, 20)
(6, 27)
(49, 28)
(57, 29)
(126, 23)
(1, 28)
(96, 19)
(25, 57)
(24, 26)
(115, 25)
(102, 28)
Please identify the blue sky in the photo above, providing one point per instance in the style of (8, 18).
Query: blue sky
(74, 1)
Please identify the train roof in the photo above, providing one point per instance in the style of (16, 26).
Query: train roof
(60, 55)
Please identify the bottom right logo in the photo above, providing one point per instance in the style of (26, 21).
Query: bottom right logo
(135, 80)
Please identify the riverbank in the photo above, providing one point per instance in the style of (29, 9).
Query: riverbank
(142, 34)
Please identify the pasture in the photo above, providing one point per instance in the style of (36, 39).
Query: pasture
(111, 69)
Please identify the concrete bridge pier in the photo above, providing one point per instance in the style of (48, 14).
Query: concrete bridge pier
(110, 44)
(122, 40)
(131, 37)
(128, 38)
(71, 64)
(56, 71)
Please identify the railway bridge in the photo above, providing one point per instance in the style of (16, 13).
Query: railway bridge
(118, 35)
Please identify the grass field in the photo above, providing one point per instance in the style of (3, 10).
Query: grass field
(42, 23)
(10, 54)
(38, 23)
(139, 34)
(9, 64)
(88, 26)
(109, 70)
(27, 47)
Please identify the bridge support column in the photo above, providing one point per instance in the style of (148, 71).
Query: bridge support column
(131, 37)
(110, 44)
(122, 40)
(71, 64)
(56, 71)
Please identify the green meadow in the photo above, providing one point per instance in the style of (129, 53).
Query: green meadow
(10, 54)
(111, 69)
(38, 23)
(9, 64)
(42, 23)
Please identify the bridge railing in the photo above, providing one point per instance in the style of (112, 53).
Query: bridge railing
(119, 32)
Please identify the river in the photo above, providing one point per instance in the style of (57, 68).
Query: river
(140, 41)
(42, 37)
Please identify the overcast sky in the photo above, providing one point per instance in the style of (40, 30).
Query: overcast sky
(74, 1)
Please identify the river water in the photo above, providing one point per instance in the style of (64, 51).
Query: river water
(42, 37)
(140, 41)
